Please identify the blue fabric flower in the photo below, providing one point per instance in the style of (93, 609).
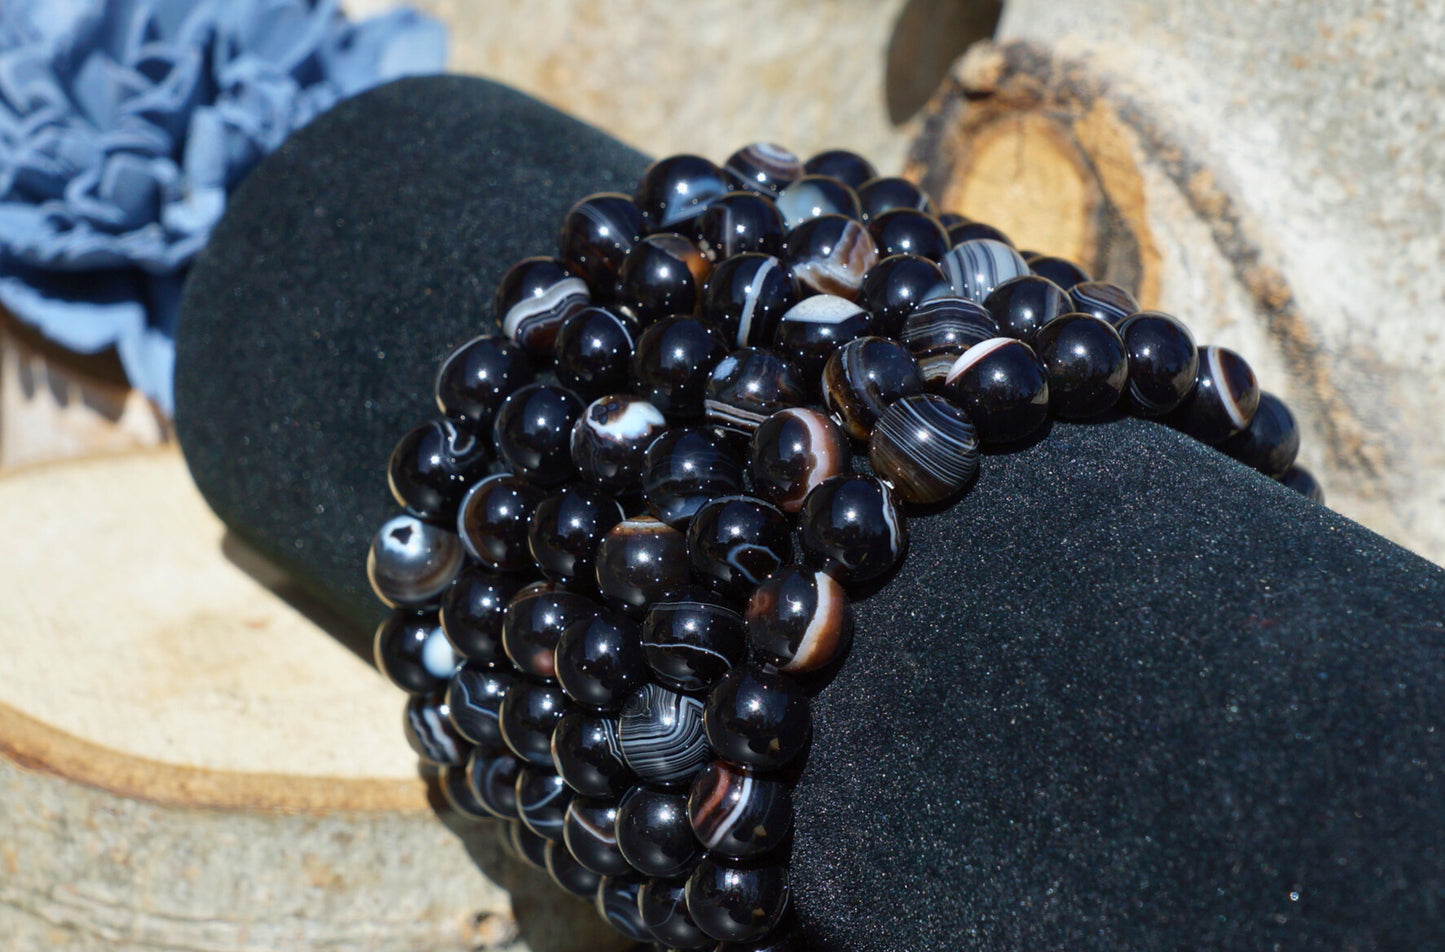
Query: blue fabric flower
(125, 123)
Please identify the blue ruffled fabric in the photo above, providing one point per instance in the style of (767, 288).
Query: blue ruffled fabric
(125, 123)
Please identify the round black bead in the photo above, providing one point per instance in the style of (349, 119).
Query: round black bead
(689, 642)
(600, 662)
(1303, 482)
(763, 167)
(529, 714)
(744, 297)
(452, 781)
(535, 621)
(863, 377)
(1061, 271)
(1002, 386)
(654, 834)
(596, 235)
(965, 230)
(975, 267)
(589, 829)
(569, 874)
(678, 189)
(938, 332)
(430, 732)
(492, 777)
(900, 231)
(734, 812)
(588, 755)
(799, 619)
(812, 329)
(640, 561)
(662, 276)
(1270, 442)
(542, 800)
(594, 352)
(663, 905)
(898, 284)
(662, 735)
(885, 193)
(737, 904)
(533, 432)
(1106, 301)
(794, 450)
(474, 702)
(610, 441)
(850, 168)
(617, 904)
(525, 845)
(410, 562)
(494, 518)
(411, 649)
(534, 299)
(472, 611)
(432, 466)
(1022, 305)
(738, 223)
(829, 254)
(684, 469)
(1162, 362)
(852, 529)
(814, 195)
(1223, 400)
(750, 385)
(566, 529)
(672, 363)
(734, 542)
(757, 717)
(1086, 364)
(476, 377)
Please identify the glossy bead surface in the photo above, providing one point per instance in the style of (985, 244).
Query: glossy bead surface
(750, 385)
(594, 352)
(566, 528)
(938, 331)
(1003, 388)
(744, 297)
(534, 624)
(528, 716)
(763, 167)
(863, 377)
(413, 652)
(1270, 442)
(662, 276)
(794, 450)
(569, 874)
(1105, 301)
(662, 735)
(654, 834)
(815, 195)
(616, 903)
(677, 189)
(850, 168)
(735, 812)
(473, 608)
(1223, 400)
(532, 432)
(432, 466)
(542, 800)
(663, 906)
(852, 529)
(898, 284)
(829, 254)
(959, 232)
(1061, 271)
(476, 377)
(587, 755)
(737, 904)
(589, 829)
(534, 299)
(757, 717)
(429, 730)
(684, 469)
(494, 518)
(525, 845)
(452, 781)
(975, 267)
(596, 235)
(900, 231)
(887, 192)
(1303, 482)
(1086, 363)
(492, 777)
(740, 223)
(672, 363)
(799, 619)
(474, 701)
(610, 439)
(926, 448)
(812, 329)
(600, 662)
(641, 560)
(691, 641)
(734, 542)
(1022, 305)
(1162, 362)
(411, 562)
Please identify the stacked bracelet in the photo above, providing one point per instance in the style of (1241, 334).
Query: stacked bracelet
(630, 540)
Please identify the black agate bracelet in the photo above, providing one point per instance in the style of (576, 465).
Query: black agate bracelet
(629, 542)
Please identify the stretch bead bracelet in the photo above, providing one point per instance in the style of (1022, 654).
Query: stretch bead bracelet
(628, 542)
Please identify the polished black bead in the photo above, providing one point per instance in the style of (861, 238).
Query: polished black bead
(590, 831)
(763, 167)
(812, 329)
(526, 845)
(588, 755)
(895, 286)
(1002, 386)
(600, 662)
(411, 649)
(829, 254)
(744, 297)
(1223, 400)
(473, 608)
(1086, 363)
(566, 529)
(684, 469)
(596, 235)
(938, 332)
(863, 377)
(907, 231)
(1103, 300)
(474, 701)
(799, 619)
(739, 904)
(528, 716)
(1061, 271)
(739, 223)
(662, 735)
(542, 800)
(661, 277)
(594, 352)
(411, 563)
(1270, 442)
(1022, 305)
(654, 834)
(476, 377)
(492, 777)
(432, 466)
(678, 189)
(494, 518)
(1303, 482)
(794, 450)
(757, 717)
(533, 432)
(430, 732)
(852, 529)
(691, 641)
(672, 363)
(640, 561)
(535, 621)
(617, 904)
(1162, 362)
(569, 874)
(814, 195)
(452, 781)
(966, 230)
(610, 441)
(735, 812)
(663, 905)
(885, 193)
(534, 299)
(850, 168)
(974, 268)
(733, 543)
(750, 385)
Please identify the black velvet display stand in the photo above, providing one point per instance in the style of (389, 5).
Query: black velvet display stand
(1124, 694)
